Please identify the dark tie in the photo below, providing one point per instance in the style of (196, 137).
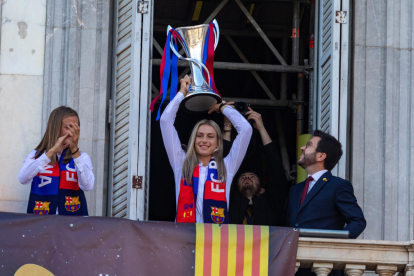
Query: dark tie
(305, 190)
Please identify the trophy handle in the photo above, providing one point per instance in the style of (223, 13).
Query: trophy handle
(201, 66)
(216, 33)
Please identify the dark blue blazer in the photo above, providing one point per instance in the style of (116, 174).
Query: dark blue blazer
(330, 204)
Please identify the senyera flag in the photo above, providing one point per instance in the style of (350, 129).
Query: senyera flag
(245, 250)
(111, 246)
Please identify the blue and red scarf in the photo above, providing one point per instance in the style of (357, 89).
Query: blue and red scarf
(214, 203)
(56, 186)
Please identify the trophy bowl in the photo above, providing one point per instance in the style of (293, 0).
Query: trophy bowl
(200, 102)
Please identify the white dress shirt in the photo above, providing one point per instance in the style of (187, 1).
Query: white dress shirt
(176, 155)
(83, 165)
(315, 177)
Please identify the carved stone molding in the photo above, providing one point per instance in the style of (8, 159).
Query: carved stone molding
(297, 266)
(341, 252)
(322, 269)
(386, 270)
(354, 270)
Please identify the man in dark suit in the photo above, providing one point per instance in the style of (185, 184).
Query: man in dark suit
(324, 201)
(249, 205)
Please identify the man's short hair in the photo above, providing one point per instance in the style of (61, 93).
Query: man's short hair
(330, 146)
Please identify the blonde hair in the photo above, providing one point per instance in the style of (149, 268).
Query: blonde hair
(192, 160)
(52, 132)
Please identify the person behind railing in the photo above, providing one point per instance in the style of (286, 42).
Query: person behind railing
(324, 201)
(57, 171)
(202, 176)
(250, 205)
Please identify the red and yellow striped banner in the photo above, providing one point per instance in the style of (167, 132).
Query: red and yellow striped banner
(231, 250)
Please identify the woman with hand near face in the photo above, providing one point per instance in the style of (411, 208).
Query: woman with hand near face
(202, 176)
(57, 171)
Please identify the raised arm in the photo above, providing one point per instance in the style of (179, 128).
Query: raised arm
(31, 167)
(277, 187)
(241, 143)
(169, 133)
(258, 124)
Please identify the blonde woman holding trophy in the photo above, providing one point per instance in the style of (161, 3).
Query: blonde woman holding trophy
(202, 176)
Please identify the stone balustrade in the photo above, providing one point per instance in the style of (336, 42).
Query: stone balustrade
(355, 257)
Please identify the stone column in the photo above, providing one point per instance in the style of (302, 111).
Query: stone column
(386, 270)
(77, 66)
(322, 269)
(354, 270)
(382, 163)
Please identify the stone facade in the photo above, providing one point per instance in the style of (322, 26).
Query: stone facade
(22, 44)
(382, 164)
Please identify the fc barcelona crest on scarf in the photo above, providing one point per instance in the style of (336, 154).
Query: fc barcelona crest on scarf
(41, 208)
(217, 215)
(188, 210)
(72, 204)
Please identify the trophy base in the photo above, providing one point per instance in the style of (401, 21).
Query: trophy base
(200, 102)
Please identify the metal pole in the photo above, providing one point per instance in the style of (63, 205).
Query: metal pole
(283, 78)
(282, 145)
(279, 33)
(279, 121)
(295, 62)
(301, 111)
(216, 11)
(262, 102)
(254, 73)
(311, 106)
(211, 17)
(295, 34)
(247, 66)
(260, 31)
(311, 127)
(157, 46)
(324, 233)
(155, 90)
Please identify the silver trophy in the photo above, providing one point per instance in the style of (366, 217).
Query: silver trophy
(200, 97)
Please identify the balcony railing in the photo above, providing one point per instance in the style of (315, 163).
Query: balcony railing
(356, 256)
